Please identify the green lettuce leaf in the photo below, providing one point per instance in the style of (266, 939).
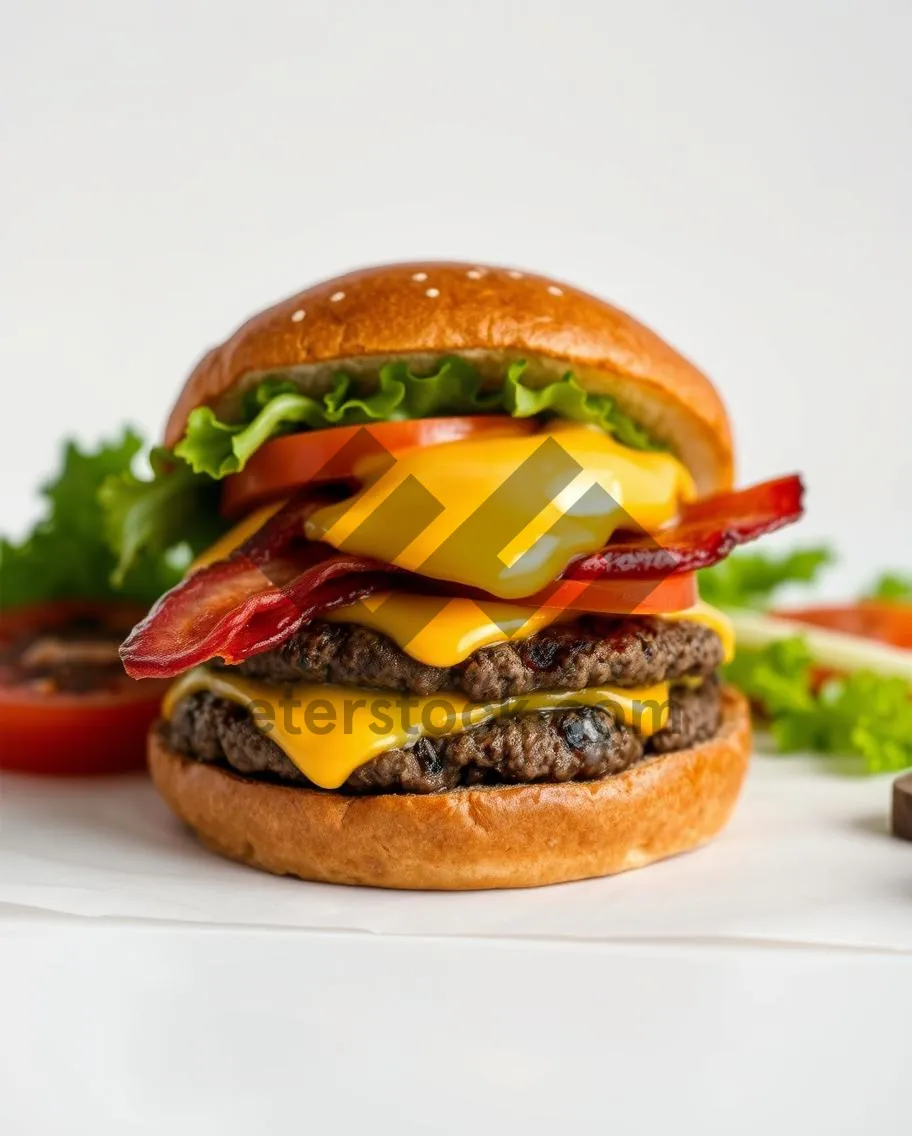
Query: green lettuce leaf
(178, 504)
(172, 515)
(751, 579)
(892, 586)
(66, 555)
(865, 714)
(862, 715)
(216, 448)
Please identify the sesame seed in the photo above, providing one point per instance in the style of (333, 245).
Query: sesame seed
(473, 274)
(514, 275)
(336, 297)
(433, 293)
(554, 290)
(419, 276)
(297, 316)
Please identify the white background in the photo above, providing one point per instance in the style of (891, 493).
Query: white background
(737, 174)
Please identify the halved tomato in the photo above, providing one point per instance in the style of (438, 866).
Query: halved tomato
(884, 620)
(621, 597)
(311, 457)
(71, 714)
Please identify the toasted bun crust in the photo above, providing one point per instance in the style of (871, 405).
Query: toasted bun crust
(515, 836)
(427, 310)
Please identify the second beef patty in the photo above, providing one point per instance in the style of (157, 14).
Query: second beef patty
(590, 651)
(577, 744)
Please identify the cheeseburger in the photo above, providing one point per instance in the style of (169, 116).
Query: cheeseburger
(447, 634)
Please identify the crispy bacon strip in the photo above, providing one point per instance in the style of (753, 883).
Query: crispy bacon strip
(252, 601)
(707, 532)
(278, 580)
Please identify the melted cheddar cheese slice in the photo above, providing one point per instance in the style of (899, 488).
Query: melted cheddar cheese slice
(442, 632)
(328, 731)
(507, 515)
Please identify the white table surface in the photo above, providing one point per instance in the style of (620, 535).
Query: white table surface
(148, 986)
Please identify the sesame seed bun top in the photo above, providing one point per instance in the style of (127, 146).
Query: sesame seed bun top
(422, 311)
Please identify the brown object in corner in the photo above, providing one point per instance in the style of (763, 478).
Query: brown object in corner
(902, 807)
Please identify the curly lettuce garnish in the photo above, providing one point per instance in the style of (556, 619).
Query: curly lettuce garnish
(66, 555)
(276, 406)
(818, 691)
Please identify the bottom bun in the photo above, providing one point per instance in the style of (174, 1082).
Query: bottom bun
(484, 837)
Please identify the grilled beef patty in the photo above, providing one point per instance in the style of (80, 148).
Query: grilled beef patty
(577, 744)
(590, 651)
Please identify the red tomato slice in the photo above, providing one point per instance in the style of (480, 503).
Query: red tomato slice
(285, 464)
(622, 597)
(873, 619)
(73, 733)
